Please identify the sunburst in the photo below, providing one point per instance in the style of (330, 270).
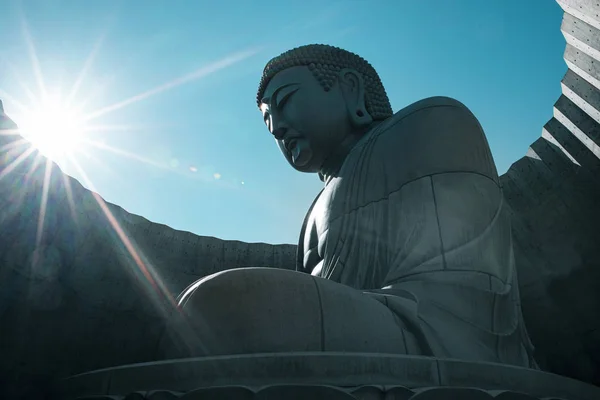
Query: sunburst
(53, 128)
(60, 133)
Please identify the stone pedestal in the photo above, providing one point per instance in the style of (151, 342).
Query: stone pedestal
(322, 376)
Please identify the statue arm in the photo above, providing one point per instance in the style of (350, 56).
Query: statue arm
(445, 198)
(427, 173)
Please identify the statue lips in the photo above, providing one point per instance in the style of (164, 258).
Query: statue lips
(296, 147)
(290, 144)
(291, 141)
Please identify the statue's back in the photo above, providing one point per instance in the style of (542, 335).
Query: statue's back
(416, 212)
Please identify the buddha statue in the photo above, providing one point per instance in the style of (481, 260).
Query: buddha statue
(406, 250)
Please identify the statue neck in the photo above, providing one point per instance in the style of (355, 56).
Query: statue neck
(331, 167)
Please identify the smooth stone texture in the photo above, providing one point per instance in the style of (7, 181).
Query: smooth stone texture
(374, 373)
(571, 143)
(585, 10)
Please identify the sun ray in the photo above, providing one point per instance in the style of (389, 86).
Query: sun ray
(114, 128)
(199, 73)
(43, 206)
(145, 268)
(11, 149)
(35, 62)
(6, 97)
(34, 165)
(86, 67)
(112, 78)
(95, 92)
(126, 154)
(11, 132)
(13, 145)
(147, 161)
(18, 78)
(69, 191)
(99, 164)
(56, 117)
(15, 163)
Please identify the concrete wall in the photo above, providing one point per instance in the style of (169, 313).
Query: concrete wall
(554, 194)
(93, 294)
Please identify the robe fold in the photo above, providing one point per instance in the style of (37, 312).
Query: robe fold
(415, 218)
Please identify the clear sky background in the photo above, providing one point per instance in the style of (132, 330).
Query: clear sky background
(172, 86)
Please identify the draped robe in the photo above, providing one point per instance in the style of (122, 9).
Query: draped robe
(415, 218)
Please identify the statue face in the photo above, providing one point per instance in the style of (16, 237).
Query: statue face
(307, 122)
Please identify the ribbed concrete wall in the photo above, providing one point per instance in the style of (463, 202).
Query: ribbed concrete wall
(554, 193)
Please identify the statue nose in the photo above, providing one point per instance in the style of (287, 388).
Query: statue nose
(280, 132)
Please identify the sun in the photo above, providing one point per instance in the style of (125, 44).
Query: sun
(53, 128)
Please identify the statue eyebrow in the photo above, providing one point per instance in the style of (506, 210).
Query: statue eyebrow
(269, 99)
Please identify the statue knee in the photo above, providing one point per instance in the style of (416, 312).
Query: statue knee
(257, 310)
(236, 283)
(247, 311)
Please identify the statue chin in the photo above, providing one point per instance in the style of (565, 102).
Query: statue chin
(304, 167)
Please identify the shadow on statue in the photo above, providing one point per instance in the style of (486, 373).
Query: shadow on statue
(407, 249)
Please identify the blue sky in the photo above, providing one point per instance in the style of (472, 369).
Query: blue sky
(172, 86)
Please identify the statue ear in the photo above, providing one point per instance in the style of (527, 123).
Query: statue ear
(353, 89)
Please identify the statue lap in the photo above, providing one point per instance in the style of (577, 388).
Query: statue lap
(253, 310)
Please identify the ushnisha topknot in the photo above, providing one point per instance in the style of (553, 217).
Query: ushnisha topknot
(325, 62)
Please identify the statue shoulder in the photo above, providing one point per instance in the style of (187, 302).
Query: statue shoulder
(435, 135)
(432, 105)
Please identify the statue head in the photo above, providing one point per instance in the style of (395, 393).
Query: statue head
(316, 98)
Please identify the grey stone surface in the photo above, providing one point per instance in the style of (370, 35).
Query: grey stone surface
(573, 117)
(361, 375)
(585, 10)
(581, 35)
(584, 128)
